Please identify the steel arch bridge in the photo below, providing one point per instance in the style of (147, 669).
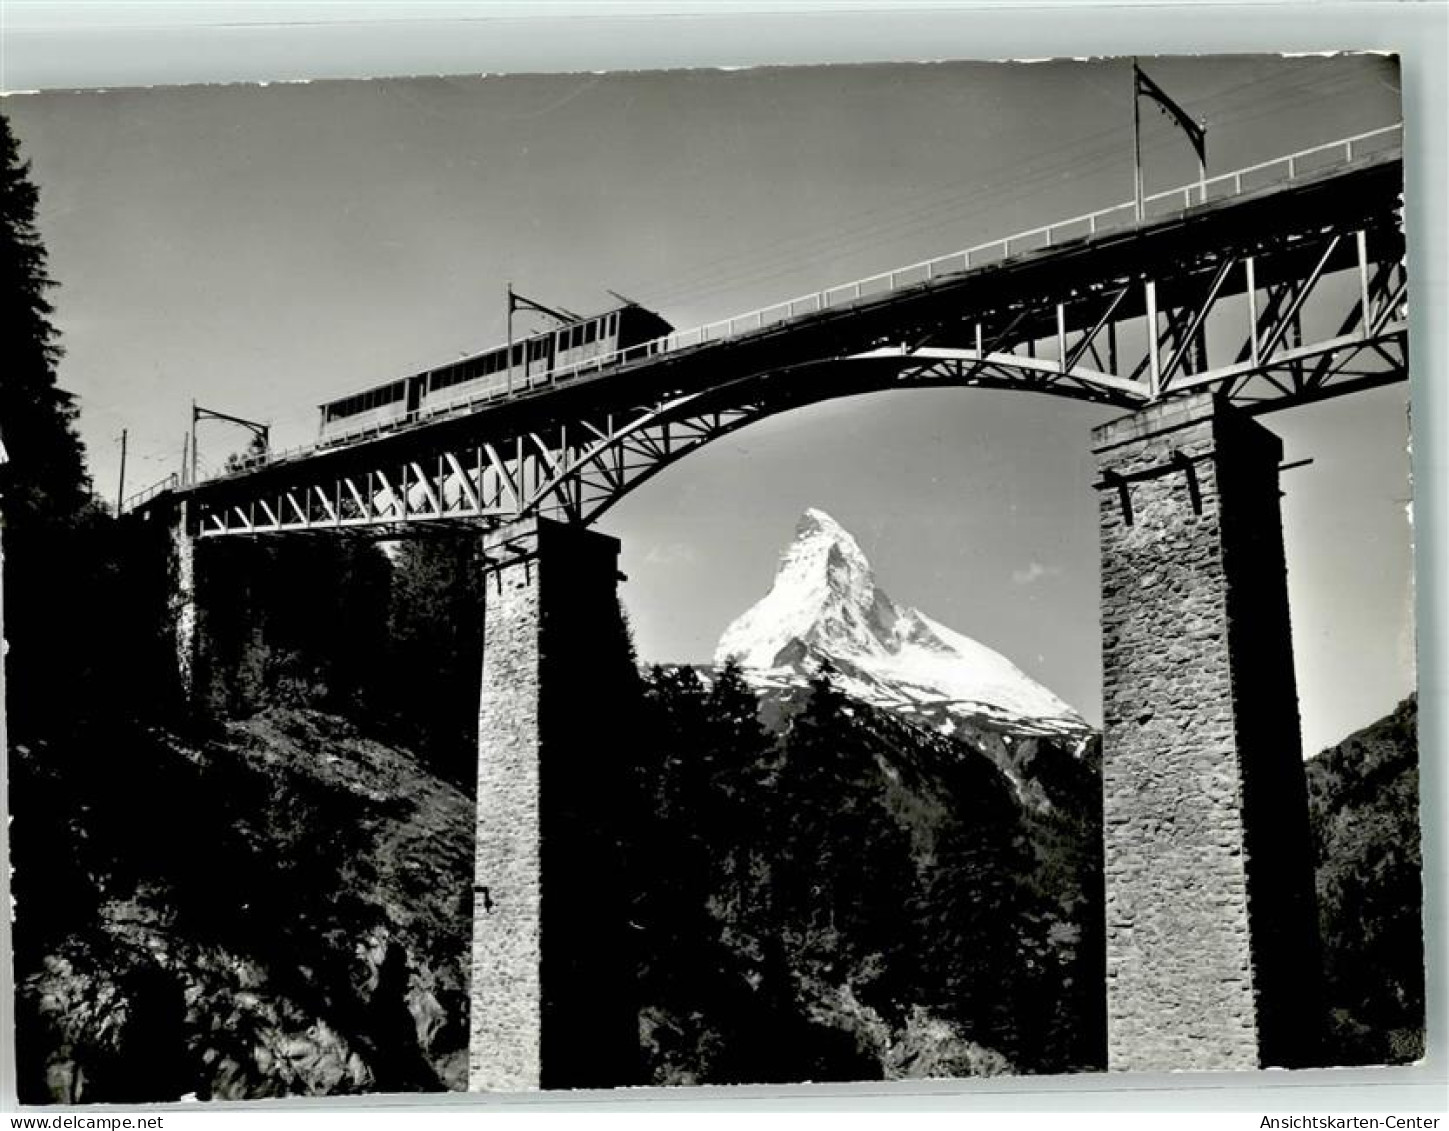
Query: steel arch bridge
(1270, 296)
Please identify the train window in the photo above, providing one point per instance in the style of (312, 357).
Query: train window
(591, 331)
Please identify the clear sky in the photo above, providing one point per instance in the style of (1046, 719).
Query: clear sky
(263, 248)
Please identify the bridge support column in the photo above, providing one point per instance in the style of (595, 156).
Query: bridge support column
(181, 607)
(1212, 944)
(552, 987)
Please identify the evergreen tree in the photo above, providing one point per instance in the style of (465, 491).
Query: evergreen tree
(51, 583)
(970, 929)
(738, 810)
(672, 877)
(435, 646)
(294, 623)
(846, 878)
(44, 482)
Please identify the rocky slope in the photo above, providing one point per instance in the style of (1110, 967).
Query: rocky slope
(282, 909)
(1363, 797)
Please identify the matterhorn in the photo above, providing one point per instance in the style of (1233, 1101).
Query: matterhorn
(826, 611)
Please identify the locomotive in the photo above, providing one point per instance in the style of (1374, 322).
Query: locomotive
(534, 359)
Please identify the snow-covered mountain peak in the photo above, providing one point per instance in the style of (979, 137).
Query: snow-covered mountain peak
(816, 523)
(824, 552)
(824, 596)
(825, 606)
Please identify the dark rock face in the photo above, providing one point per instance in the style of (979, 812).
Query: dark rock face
(1364, 798)
(286, 914)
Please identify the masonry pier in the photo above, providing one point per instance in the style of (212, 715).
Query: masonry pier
(1212, 946)
(181, 606)
(552, 991)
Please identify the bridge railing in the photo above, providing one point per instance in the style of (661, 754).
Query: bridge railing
(168, 483)
(1220, 186)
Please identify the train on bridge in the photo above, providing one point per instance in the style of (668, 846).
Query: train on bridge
(531, 360)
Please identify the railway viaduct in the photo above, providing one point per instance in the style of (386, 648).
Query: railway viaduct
(1221, 302)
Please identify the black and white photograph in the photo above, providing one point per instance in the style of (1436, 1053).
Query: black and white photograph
(872, 572)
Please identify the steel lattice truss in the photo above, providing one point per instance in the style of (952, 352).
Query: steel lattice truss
(1272, 300)
(1354, 294)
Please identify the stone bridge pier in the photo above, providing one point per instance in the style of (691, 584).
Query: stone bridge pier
(1212, 941)
(182, 614)
(552, 994)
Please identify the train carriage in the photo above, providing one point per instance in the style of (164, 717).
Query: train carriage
(538, 358)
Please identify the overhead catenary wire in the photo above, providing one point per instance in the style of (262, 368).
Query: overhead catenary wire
(1020, 179)
(1008, 178)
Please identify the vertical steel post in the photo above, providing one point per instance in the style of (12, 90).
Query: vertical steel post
(1365, 311)
(1252, 288)
(508, 363)
(1154, 370)
(121, 486)
(1136, 145)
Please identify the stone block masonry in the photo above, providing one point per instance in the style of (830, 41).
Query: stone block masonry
(552, 981)
(1212, 948)
(182, 613)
